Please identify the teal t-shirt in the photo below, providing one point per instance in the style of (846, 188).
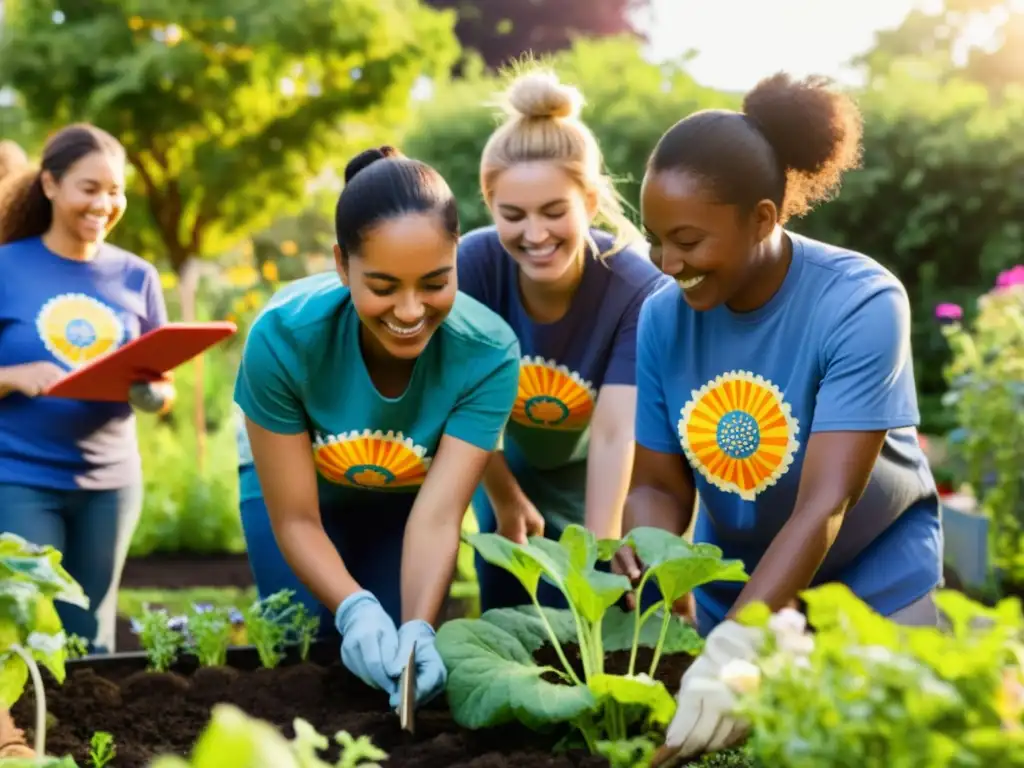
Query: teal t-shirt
(302, 370)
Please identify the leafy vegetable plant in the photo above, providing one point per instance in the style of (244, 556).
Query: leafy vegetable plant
(31, 633)
(232, 739)
(304, 628)
(862, 691)
(209, 632)
(493, 677)
(161, 638)
(101, 749)
(267, 623)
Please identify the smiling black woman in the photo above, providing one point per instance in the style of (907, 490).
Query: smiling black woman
(776, 382)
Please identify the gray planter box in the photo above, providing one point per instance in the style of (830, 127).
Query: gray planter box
(965, 535)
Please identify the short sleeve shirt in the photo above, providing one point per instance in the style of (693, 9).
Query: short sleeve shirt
(302, 371)
(739, 395)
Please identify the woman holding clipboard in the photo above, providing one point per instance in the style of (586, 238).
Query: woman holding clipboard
(373, 403)
(70, 474)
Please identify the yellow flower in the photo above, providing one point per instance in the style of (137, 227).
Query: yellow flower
(289, 248)
(135, 23)
(241, 277)
(270, 272)
(168, 280)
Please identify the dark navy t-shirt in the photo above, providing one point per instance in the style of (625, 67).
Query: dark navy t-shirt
(70, 312)
(564, 363)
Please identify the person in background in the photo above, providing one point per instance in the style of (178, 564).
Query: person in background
(572, 293)
(372, 405)
(776, 384)
(70, 472)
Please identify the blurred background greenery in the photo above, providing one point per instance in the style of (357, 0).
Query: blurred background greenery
(238, 118)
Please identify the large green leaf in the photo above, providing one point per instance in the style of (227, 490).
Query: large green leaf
(677, 566)
(591, 591)
(636, 691)
(492, 679)
(525, 625)
(526, 562)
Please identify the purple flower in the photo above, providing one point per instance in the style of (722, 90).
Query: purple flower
(1011, 277)
(236, 617)
(949, 313)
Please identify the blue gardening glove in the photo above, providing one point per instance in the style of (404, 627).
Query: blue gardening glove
(369, 640)
(431, 674)
(147, 396)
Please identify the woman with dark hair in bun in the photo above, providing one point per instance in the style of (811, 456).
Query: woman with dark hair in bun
(775, 385)
(373, 398)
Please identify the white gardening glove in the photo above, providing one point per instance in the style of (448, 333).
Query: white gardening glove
(704, 720)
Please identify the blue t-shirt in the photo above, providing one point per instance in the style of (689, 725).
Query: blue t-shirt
(565, 363)
(302, 371)
(70, 312)
(740, 395)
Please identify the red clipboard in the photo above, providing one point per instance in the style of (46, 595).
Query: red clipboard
(145, 358)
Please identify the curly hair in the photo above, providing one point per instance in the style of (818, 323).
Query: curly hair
(791, 144)
(25, 210)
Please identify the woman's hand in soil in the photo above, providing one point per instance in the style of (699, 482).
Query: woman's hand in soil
(369, 640)
(431, 673)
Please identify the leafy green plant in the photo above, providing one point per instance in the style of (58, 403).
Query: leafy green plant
(494, 678)
(31, 633)
(267, 623)
(209, 632)
(102, 750)
(232, 739)
(161, 638)
(986, 392)
(862, 691)
(76, 647)
(303, 629)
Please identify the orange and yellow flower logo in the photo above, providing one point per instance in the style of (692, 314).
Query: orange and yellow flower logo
(739, 433)
(552, 397)
(371, 460)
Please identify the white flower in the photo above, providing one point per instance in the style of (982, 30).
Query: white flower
(741, 676)
(796, 645)
(788, 621)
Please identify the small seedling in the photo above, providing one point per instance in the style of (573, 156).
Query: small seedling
(210, 631)
(76, 647)
(101, 749)
(305, 627)
(161, 637)
(266, 624)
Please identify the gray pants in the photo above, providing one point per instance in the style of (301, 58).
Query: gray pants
(921, 613)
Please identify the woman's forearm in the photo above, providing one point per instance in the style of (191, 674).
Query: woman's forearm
(790, 562)
(647, 506)
(499, 483)
(429, 552)
(609, 461)
(315, 560)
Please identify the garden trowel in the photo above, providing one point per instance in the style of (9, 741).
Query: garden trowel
(407, 694)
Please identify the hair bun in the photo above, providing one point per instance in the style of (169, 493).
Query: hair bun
(367, 158)
(541, 95)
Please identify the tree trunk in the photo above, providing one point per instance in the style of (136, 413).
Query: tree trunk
(188, 288)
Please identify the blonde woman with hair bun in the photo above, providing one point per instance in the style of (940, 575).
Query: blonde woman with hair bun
(563, 265)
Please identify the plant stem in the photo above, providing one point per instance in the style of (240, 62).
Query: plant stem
(661, 637)
(40, 693)
(582, 638)
(638, 622)
(597, 649)
(554, 641)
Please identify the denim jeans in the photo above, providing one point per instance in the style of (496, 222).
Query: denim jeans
(369, 542)
(93, 530)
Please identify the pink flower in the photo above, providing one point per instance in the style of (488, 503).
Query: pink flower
(1011, 277)
(949, 313)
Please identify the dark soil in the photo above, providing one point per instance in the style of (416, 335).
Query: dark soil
(185, 570)
(151, 714)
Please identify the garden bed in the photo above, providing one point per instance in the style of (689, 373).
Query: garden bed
(186, 570)
(152, 713)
